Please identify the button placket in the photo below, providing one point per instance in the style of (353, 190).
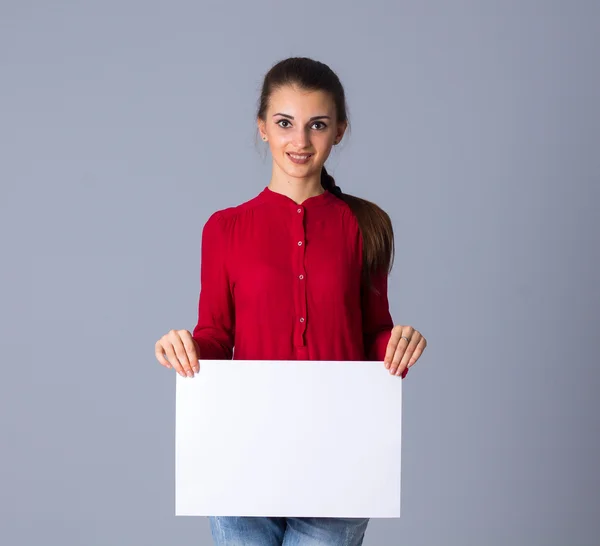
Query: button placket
(300, 288)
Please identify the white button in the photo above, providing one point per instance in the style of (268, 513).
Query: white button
(301, 277)
(301, 319)
(299, 211)
(299, 243)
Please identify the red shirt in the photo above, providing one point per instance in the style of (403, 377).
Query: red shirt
(282, 281)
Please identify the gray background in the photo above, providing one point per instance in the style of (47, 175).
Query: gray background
(124, 125)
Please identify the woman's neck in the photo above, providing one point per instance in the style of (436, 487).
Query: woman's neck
(298, 189)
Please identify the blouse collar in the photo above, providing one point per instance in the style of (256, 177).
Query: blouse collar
(271, 196)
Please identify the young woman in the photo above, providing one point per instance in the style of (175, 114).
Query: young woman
(299, 272)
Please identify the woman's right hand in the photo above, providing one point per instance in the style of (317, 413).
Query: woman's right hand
(181, 352)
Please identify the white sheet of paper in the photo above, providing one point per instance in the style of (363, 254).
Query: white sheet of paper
(288, 438)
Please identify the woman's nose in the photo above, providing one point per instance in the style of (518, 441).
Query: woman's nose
(301, 138)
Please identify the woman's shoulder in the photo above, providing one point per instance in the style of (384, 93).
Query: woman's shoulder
(231, 214)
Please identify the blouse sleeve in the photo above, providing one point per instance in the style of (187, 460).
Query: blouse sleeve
(214, 331)
(377, 320)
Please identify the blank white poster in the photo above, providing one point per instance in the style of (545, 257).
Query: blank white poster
(288, 438)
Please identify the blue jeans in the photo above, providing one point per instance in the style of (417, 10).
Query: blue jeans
(259, 531)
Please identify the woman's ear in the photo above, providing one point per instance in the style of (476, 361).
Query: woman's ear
(341, 129)
(261, 129)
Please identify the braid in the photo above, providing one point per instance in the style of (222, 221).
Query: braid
(375, 226)
(328, 182)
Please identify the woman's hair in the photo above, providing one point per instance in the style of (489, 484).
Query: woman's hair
(374, 222)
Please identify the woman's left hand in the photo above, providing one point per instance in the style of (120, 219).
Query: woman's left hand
(404, 348)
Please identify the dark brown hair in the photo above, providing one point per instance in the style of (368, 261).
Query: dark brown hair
(374, 222)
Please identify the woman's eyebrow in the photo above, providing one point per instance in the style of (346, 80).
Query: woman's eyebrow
(292, 117)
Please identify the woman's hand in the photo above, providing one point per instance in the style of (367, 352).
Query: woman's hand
(404, 348)
(181, 351)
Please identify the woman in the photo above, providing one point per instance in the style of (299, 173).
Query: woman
(299, 272)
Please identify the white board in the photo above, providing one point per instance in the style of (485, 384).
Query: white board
(288, 438)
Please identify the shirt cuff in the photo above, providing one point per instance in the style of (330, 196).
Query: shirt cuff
(208, 349)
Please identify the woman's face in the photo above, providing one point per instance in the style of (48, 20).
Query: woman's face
(301, 122)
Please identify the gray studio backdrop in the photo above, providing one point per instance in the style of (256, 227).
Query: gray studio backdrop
(124, 125)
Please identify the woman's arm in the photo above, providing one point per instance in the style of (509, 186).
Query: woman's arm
(377, 320)
(214, 331)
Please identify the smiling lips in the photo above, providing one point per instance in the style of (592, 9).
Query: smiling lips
(299, 158)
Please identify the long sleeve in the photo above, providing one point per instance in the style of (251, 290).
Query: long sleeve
(214, 331)
(377, 320)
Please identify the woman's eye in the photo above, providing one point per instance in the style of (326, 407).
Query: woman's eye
(282, 121)
(321, 124)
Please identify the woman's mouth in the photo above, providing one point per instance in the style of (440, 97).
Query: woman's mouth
(299, 159)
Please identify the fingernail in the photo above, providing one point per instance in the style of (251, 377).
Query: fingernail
(190, 374)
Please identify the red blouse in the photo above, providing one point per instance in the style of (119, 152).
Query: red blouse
(282, 281)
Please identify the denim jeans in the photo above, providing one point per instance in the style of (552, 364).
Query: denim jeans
(261, 531)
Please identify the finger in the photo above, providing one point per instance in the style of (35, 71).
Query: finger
(391, 346)
(389, 353)
(181, 354)
(408, 331)
(398, 355)
(418, 352)
(170, 350)
(190, 348)
(160, 355)
(410, 349)
(405, 336)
